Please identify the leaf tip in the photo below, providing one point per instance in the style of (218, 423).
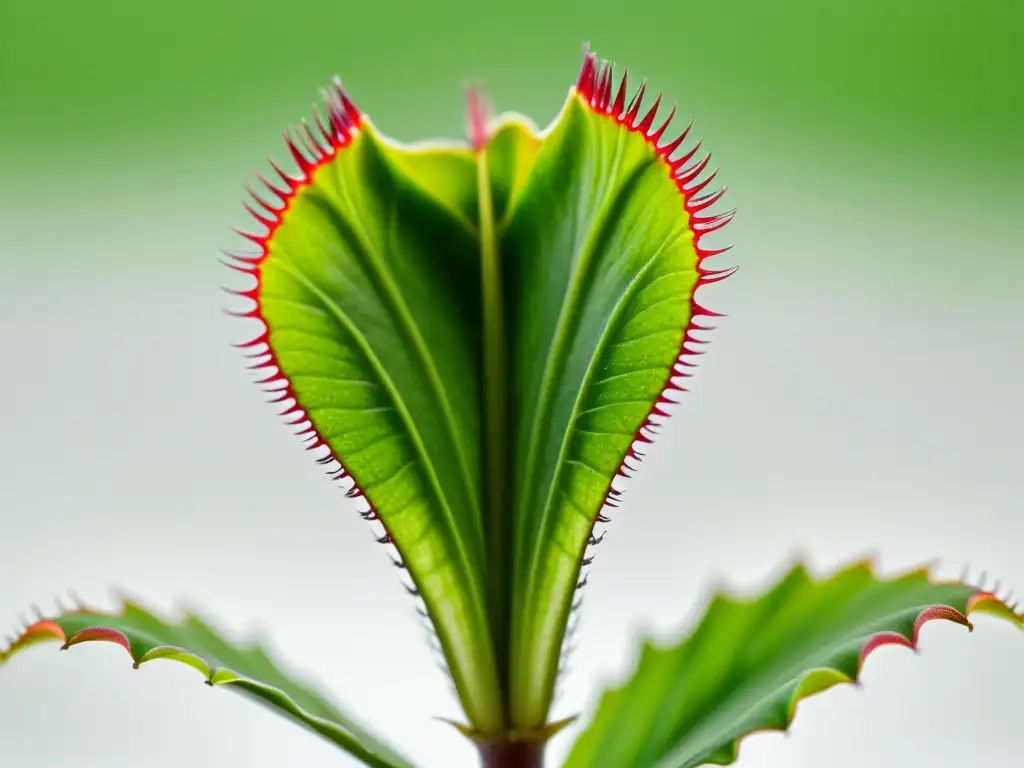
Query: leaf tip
(479, 113)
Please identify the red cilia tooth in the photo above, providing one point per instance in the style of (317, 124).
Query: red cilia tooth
(606, 90)
(268, 223)
(266, 206)
(300, 159)
(666, 150)
(679, 162)
(629, 119)
(620, 96)
(656, 136)
(700, 203)
(585, 83)
(288, 180)
(281, 194)
(648, 120)
(690, 174)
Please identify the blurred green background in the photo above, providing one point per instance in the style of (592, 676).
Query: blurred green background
(920, 104)
(896, 85)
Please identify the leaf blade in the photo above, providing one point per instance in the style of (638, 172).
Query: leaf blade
(604, 260)
(748, 662)
(366, 286)
(147, 637)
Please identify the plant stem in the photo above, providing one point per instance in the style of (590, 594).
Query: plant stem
(496, 510)
(512, 754)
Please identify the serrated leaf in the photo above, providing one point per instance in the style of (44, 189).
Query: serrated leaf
(478, 335)
(148, 637)
(748, 663)
(603, 259)
(367, 283)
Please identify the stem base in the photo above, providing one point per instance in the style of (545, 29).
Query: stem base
(512, 754)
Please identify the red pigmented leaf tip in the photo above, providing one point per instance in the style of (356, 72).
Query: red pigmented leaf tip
(99, 635)
(479, 115)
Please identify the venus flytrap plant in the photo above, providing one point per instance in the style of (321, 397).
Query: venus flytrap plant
(478, 339)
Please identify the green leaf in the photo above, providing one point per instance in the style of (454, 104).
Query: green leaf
(147, 637)
(602, 254)
(479, 334)
(748, 663)
(367, 282)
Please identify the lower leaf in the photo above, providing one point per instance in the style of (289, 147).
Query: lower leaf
(748, 663)
(147, 637)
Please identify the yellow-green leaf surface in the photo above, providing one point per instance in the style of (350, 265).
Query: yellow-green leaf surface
(367, 284)
(602, 256)
(148, 637)
(748, 662)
